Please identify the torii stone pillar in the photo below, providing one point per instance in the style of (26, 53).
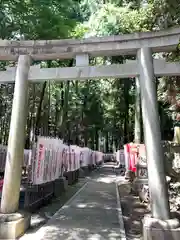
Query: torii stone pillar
(152, 136)
(15, 151)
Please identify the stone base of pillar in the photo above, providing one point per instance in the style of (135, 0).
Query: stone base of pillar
(70, 178)
(155, 229)
(14, 225)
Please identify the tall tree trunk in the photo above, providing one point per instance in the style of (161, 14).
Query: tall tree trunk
(114, 145)
(97, 139)
(77, 121)
(28, 131)
(56, 115)
(126, 118)
(30, 128)
(92, 140)
(65, 111)
(137, 132)
(107, 142)
(63, 114)
(84, 117)
(3, 130)
(60, 115)
(49, 110)
(38, 115)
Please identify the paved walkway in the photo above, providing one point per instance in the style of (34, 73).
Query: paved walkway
(93, 213)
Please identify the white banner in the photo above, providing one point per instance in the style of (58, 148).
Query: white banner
(39, 162)
(65, 158)
(49, 158)
(75, 157)
(85, 157)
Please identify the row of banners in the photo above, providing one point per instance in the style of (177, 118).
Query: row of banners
(50, 158)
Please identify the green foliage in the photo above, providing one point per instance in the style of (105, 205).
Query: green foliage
(79, 31)
(112, 20)
(39, 19)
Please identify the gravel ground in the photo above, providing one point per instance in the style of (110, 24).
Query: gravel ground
(134, 211)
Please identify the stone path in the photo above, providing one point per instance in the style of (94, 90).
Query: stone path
(93, 213)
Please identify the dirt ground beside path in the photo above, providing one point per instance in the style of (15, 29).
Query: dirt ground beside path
(133, 212)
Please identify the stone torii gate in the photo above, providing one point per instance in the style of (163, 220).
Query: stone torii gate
(145, 68)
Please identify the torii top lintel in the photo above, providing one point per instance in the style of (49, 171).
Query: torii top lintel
(127, 44)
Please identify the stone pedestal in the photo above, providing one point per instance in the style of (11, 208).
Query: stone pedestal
(90, 168)
(86, 170)
(155, 229)
(60, 186)
(14, 225)
(137, 184)
(81, 173)
(69, 177)
(127, 175)
(64, 186)
(76, 175)
(73, 176)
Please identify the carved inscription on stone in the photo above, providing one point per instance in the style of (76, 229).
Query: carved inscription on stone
(142, 172)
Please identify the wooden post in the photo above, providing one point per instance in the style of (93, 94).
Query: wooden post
(15, 151)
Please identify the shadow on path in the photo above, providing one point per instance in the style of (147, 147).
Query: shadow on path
(90, 215)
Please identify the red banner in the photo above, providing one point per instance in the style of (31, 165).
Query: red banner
(132, 153)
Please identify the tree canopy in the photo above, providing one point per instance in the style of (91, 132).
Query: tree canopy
(97, 113)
